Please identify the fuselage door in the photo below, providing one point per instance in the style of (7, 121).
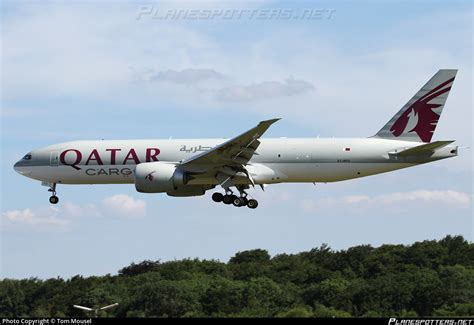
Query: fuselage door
(54, 159)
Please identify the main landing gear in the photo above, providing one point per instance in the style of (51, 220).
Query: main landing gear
(238, 201)
(53, 199)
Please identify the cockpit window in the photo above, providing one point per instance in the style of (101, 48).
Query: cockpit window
(27, 157)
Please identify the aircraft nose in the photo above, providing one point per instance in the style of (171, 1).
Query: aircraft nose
(17, 166)
(21, 168)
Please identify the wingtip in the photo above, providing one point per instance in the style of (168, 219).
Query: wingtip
(271, 121)
(453, 71)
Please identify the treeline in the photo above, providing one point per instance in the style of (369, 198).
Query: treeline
(429, 278)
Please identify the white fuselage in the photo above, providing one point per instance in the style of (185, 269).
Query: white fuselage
(276, 160)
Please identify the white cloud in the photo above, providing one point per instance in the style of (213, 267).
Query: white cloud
(71, 210)
(356, 199)
(446, 197)
(62, 217)
(186, 76)
(43, 219)
(48, 51)
(214, 83)
(431, 199)
(124, 206)
(20, 215)
(264, 90)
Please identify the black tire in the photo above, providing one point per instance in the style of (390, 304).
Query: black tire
(217, 197)
(244, 200)
(227, 199)
(237, 202)
(54, 199)
(252, 204)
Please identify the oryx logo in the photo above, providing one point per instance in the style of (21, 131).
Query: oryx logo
(150, 176)
(419, 117)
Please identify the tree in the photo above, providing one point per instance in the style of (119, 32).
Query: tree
(164, 299)
(224, 297)
(12, 299)
(142, 267)
(330, 292)
(429, 278)
(429, 254)
(459, 251)
(427, 294)
(389, 293)
(296, 312)
(457, 284)
(455, 310)
(250, 264)
(329, 312)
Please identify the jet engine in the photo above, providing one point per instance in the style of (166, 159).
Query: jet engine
(159, 177)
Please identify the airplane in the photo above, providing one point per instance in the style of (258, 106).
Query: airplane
(190, 167)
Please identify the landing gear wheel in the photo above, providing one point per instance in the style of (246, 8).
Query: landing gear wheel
(54, 199)
(238, 202)
(245, 201)
(252, 204)
(217, 197)
(227, 199)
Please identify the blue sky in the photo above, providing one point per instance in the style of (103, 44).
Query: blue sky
(94, 70)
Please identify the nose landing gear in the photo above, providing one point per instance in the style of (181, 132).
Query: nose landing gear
(53, 199)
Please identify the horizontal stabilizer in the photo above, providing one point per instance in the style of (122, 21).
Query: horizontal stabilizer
(424, 149)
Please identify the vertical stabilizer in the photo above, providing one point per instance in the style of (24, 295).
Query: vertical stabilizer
(417, 120)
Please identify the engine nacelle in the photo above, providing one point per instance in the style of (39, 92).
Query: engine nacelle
(158, 177)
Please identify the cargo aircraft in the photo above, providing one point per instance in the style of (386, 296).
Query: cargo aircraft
(190, 167)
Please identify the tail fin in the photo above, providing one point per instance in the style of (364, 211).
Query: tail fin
(417, 120)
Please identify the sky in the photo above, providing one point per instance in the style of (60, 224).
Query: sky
(131, 70)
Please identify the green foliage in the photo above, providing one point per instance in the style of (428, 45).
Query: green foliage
(12, 299)
(165, 298)
(328, 312)
(254, 256)
(429, 278)
(297, 312)
(328, 292)
(135, 269)
(319, 311)
(457, 284)
(250, 264)
(455, 310)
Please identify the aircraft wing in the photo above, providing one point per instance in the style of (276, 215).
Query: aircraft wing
(234, 152)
